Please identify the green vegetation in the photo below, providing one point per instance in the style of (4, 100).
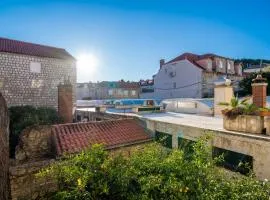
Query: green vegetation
(153, 172)
(245, 84)
(247, 61)
(238, 107)
(24, 116)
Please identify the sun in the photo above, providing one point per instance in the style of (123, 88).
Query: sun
(87, 63)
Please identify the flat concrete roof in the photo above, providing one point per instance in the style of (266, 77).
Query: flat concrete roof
(198, 121)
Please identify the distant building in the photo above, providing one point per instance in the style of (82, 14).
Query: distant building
(146, 88)
(257, 68)
(30, 73)
(192, 76)
(108, 90)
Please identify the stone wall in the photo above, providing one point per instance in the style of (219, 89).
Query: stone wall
(24, 184)
(35, 143)
(21, 86)
(4, 149)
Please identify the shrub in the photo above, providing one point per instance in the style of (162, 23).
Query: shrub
(24, 116)
(153, 172)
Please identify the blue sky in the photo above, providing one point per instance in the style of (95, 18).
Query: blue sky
(128, 38)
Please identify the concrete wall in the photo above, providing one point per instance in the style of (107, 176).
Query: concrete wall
(4, 149)
(185, 73)
(257, 147)
(20, 86)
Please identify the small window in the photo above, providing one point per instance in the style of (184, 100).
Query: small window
(229, 65)
(35, 67)
(234, 161)
(126, 92)
(110, 92)
(119, 92)
(164, 139)
(174, 85)
(133, 92)
(220, 64)
(209, 64)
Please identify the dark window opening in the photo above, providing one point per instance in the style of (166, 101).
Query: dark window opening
(187, 146)
(164, 139)
(234, 161)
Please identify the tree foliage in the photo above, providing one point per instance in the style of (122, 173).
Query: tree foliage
(245, 84)
(247, 61)
(152, 173)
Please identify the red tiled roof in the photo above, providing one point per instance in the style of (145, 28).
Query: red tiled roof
(188, 56)
(20, 47)
(128, 85)
(193, 58)
(75, 137)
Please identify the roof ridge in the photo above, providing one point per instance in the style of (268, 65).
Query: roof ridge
(42, 45)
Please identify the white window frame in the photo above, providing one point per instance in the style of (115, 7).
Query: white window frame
(220, 64)
(110, 92)
(133, 92)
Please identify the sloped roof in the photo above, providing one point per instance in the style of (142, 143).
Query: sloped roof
(75, 137)
(25, 48)
(187, 56)
(193, 58)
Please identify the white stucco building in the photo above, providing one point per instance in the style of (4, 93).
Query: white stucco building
(192, 76)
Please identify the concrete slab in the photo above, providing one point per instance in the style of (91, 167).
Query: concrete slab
(197, 121)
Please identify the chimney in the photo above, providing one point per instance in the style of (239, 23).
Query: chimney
(259, 92)
(161, 62)
(65, 104)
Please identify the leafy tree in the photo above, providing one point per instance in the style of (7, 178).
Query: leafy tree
(153, 172)
(245, 84)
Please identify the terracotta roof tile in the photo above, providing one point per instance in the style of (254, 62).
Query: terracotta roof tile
(75, 137)
(25, 48)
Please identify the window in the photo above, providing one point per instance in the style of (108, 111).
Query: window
(126, 92)
(164, 138)
(35, 67)
(229, 65)
(220, 64)
(133, 92)
(174, 85)
(119, 92)
(232, 160)
(110, 92)
(209, 64)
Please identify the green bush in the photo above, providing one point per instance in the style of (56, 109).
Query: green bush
(24, 116)
(153, 172)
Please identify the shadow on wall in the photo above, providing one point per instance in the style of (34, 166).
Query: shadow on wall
(4, 149)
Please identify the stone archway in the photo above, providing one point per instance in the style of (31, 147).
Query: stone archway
(4, 149)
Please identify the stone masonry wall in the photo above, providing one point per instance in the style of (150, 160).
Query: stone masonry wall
(35, 143)
(20, 86)
(4, 149)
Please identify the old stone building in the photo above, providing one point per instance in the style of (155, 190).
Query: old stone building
(30, 73)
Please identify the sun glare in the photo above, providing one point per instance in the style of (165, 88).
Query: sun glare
(87, 63)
